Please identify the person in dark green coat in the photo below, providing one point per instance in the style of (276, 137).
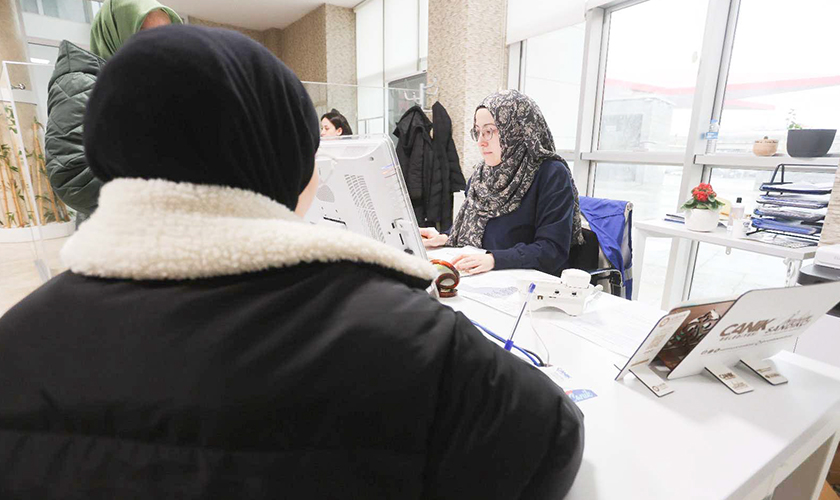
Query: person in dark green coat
(69, 89)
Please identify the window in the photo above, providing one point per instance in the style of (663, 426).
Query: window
(369, 50)
(95, 5)
(30, 6)
(731, 183)
(654, 191)
(553, 65)
(401, 38)
(651, 69)
(391, 43)
(647, 60)
(778, 76)
(71, 10)
(717, 274)
(81, 11)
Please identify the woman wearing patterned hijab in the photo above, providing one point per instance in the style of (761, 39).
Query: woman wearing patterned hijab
(521, 204)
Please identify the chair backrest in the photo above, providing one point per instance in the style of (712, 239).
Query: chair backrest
(586, 256)
(611, 221)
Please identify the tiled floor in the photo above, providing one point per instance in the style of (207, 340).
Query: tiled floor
(18, 274)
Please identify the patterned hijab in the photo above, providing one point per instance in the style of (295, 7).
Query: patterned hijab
(494, 191)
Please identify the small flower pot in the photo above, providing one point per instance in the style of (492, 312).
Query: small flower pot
(765, 147)
(701, 220)
(809, 143)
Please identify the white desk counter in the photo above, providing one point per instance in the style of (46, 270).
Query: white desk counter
(702, 441)
(658, 228)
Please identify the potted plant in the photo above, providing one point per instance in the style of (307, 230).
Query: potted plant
(702, 210)
(807, 143)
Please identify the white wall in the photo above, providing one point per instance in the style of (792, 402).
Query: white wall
(822, 341)
(54, 29)
(47, 53)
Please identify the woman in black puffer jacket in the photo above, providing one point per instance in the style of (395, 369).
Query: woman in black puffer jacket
(208, 343)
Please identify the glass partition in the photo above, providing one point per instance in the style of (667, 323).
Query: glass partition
(369, 110)
(34, 223)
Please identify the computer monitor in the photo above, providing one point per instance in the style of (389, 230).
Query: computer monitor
(361, 189)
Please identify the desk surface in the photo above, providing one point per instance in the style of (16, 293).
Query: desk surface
(658, 227)
(700, 442)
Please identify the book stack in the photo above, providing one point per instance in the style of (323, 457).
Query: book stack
(792, 209)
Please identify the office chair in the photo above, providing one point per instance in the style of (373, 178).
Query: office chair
(607, 250)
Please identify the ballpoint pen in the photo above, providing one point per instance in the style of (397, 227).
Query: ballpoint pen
(509, 342)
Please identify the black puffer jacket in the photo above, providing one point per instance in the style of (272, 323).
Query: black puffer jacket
(439, 206)
(430, 165)
(417, 159)
(192, 354)
(69, 90)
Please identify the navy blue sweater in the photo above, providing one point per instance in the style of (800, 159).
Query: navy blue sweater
(538, 234)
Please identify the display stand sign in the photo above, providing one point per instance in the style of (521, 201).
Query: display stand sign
(716, 335)
(648, 350)
(757, 326)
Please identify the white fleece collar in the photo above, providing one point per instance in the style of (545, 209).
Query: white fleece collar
(162, 230)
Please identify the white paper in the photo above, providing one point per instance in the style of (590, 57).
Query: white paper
(496, 290)
(620, 328)
(449, 253)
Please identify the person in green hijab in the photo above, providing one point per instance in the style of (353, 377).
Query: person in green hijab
(75, 73)
(118, 20)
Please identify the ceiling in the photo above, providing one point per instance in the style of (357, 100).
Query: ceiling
(253, 14)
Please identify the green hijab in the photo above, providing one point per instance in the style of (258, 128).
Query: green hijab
(118, 20)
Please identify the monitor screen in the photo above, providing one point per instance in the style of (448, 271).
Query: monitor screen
(361, 189)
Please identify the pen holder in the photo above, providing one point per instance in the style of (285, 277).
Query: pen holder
(447, 279)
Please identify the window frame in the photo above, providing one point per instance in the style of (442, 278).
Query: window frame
(710, 87)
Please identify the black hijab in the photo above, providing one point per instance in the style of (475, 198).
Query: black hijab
(206, 106)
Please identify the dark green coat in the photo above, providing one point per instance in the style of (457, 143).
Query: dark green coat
(72, 81)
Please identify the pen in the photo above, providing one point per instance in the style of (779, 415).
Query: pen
(509, 343)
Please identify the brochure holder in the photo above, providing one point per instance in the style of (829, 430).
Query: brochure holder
(757, 326)
(716, 336)
(647, 351)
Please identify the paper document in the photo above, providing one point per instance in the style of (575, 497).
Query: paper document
(496, 290)
(577, 390)
(620, 327)
(449, 253)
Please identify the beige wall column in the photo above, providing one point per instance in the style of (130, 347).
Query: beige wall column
(303, 46)
(831, 229)
(467, 56)
(341, 61)
(256, 35)
(12, 40)
(319, 47)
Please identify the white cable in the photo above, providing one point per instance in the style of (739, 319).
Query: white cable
(545, 347)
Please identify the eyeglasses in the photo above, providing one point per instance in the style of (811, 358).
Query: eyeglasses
(486, 134)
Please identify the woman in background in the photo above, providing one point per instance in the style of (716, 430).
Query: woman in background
(334, 124)
(521, 203)
(76, 71)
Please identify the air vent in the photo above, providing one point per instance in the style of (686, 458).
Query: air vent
(364, 205)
